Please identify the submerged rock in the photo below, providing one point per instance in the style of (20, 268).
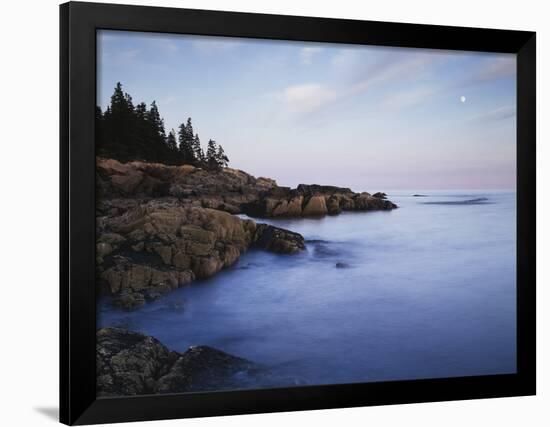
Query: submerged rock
(130, 363)
(342, 265)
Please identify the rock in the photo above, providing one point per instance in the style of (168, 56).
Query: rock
(130, 363)
(315, 206)
(161, 243)
(228, 190)
(342, 265)
(278, 240)
(204, 368)
(314, 189)
(129, 299)
(333, 205)
(366, 202)
(160, 225)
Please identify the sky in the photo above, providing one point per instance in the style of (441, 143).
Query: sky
(366, 117)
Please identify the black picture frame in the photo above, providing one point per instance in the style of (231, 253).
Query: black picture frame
(78, 25)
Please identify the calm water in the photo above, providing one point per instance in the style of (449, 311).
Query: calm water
(428, 291)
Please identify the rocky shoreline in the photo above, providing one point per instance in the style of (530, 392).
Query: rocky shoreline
(160, 227)
(129, 363)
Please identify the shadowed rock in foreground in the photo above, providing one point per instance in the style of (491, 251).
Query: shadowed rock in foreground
(130, 363)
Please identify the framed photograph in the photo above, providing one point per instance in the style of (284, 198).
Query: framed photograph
(267, 213)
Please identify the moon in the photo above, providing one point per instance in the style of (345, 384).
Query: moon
(463, 99)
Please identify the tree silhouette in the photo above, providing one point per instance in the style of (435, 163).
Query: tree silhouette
(171, 141)
(211, 155)
(197, 150)
(221, 158)
(126, 132)
(186, 143)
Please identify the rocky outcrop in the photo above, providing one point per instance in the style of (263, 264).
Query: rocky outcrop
(313, 200)
(146, 249)
(228, 190)
(130, 363)
(160, 227)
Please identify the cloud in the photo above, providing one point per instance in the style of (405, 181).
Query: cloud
(167, 45)
(209, 46)
(311, 97)
(308, 97)
(501, 113)
(307, 54)
(345, 58)
(408, 98)
(168, 100)
(495, 68)
(129, 54)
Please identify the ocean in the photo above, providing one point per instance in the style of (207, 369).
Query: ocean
(424, 291)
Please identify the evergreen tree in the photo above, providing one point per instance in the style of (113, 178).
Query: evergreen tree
(156, 123)
(189, 131)
(186, 144)
(126, 132)
(171, 141)
(197, 150)
(211, 152)
(221, 157)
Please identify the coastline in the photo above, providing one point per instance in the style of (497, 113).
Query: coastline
(160, 227)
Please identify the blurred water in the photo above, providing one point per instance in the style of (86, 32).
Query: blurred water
(428, 290)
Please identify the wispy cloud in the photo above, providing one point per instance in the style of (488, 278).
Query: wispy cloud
(308, 97)
(214, 46)
(496, 68)
(307, 54)
(129, 54)
(501, 113)
(167, 45)
(408, 98)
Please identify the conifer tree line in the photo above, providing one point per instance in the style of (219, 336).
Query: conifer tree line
(127, 132)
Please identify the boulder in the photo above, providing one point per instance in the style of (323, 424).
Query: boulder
(315, 206)
(130, 363)
(278, 240)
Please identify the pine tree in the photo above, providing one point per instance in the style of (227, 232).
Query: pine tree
(156, 122)
(126, 132)
(211, 152)
(221, 157)
(171, 141)
(197, 150)
(185, 144)
(189, 131)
